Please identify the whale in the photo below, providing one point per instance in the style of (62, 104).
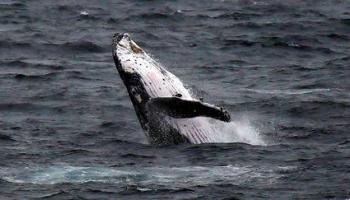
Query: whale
(167, 111)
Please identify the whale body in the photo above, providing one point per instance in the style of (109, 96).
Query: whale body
(167, 111)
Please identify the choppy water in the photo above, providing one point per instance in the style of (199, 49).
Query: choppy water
(68, 129)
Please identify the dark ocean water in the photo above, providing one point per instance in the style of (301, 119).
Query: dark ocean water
(68, 129)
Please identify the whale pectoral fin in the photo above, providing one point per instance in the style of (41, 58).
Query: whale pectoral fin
(181, 108)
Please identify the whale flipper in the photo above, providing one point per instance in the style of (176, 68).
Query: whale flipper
(182, 108)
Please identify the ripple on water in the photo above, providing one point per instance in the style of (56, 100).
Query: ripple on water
(169, 177)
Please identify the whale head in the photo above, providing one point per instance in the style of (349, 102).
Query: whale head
(124, 46)
(138, 69)
(128, 57)
(123, 41)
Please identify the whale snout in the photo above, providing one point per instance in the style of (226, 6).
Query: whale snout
(125, 50)
(125, 43)
(117, 37)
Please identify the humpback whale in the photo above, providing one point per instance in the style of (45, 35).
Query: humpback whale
(167, 111)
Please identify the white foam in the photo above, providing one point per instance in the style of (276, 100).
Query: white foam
(170, 177)
(84, 13)
(240, 130)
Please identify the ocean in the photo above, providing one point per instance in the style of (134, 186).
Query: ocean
(281, 68)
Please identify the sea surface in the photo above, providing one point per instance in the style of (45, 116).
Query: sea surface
(282, 69)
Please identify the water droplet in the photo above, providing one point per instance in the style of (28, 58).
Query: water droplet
(84, 13)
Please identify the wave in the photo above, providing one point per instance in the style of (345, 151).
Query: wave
(11, 5)
(35, 77)
(169, 177)
(162, 15)
(17, 106)
(294, 42)
(135, 156)
(345, 21)
(301, 43)
(155, 15)
(6, 138)
(233, 42)
(84, 46)
(238, 15)
(48, 76)
(42, 64)
(338, 36)
(81, 46)
(10, 43)
(34, 107)
(289, 92)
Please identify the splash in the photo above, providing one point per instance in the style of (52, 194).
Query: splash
(169, 177)
(241, 130)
